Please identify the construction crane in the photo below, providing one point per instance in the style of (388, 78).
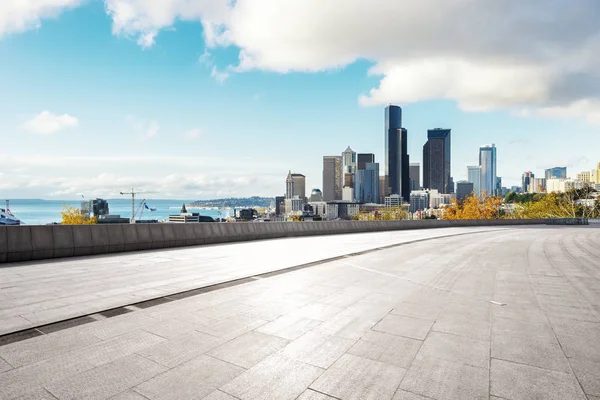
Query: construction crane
(132, 194)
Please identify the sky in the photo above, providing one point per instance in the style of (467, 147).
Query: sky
(220, 98)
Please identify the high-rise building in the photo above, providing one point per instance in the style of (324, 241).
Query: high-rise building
(537, 185)
(498, 191)
(419, 200)
(474, 176)
(383, 186)
(584, 176)
(415, 176)
(349, 167)
(396, 153)
(279, 205)
(487, 162)
(464, 189)
(364, 158)
(526, 181)
(299, 185)
(366, 189)
(332, 178)
(289, 186)
(437, 161)
(556, 173)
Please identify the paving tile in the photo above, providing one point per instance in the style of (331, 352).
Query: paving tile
(37, 394)
(129, 395)
(13, 324)
(588, 374)
(520, 312)
(277, 377)
(249, 349)
(474, 310)
(224, 310)
(444, 380)
(479, 330)
(170, 327)
(44, 347)
(391, 349)
(586, 313)
(219, 395)
(404, 326)
(422, 311)
(404, 395)
(460, 349)
(312, 395)
(181, 349)
(107, 380)
(522, 382)
(524, 329)
(584, 329)
(346, 326)
(289, 327)
(232, 327)
(357, 378)
(4, 366)
(536, 352)
(194, 379)
(317, 349)
(318, 311)
(575, 347)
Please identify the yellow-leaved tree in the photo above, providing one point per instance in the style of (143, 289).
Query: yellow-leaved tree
(473, 207)
(74, 216)
(383, 214)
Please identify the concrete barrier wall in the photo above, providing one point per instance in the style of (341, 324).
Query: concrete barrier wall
(24, 243)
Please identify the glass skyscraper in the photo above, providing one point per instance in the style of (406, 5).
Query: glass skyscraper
(437, 161)
(396, 154)
(487, 162)
(556, 173)
(366, 189)
(474, 176)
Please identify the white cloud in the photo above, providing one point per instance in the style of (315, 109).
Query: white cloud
(206, 58)
(172, 177)
(46, 123)
(193, 134)
(22, 15)
(483, 54)
(146, 40)
(145, 129)
(220, 76)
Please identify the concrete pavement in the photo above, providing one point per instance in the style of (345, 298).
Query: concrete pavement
(499, 314)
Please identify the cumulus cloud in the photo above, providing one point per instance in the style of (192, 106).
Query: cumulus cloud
(22, 15)
(537, 55)
(172, 177)
(220, 76)
(46, 123)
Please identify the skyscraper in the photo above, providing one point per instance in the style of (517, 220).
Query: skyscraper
(464, 189)
(349, 167)
(437, 161)
(332, 178)
(367, 184)
(487, 162)
(526, 181)
(299, 185)
(396, 153)
(289, 186)
(415, 176)
(474, 176)
(556, 173)
(364, 158)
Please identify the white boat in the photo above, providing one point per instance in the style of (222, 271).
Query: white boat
(7, 217)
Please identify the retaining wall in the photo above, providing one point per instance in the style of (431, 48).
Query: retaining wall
(24, 243)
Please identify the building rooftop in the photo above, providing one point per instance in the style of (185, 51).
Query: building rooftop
(509, 313)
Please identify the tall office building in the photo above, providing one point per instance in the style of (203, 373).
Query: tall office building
(332, 178)
(556, 173)
(396, 153)
(464, 189)
(526, 181)
(487, 162)
(289, 186)
(366, 189)
(349, 167)
(437, 161)
(474, 176)
(415, 176)
(299, 185)
(363, 159)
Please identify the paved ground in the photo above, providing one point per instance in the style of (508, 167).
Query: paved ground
(505, 314)
(39, 293)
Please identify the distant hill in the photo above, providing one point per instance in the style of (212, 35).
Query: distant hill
(255, 201)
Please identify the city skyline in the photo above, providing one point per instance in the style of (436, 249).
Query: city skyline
(101, 98)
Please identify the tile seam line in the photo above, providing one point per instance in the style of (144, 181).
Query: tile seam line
(248, 279)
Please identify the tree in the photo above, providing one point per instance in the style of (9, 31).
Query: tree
(74, 216)
(511, 197)
(474, 207)
(383, 214)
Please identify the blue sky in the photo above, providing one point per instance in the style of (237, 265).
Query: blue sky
(202, 99)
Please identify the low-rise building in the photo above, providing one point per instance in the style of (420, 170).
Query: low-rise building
(393, 200)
